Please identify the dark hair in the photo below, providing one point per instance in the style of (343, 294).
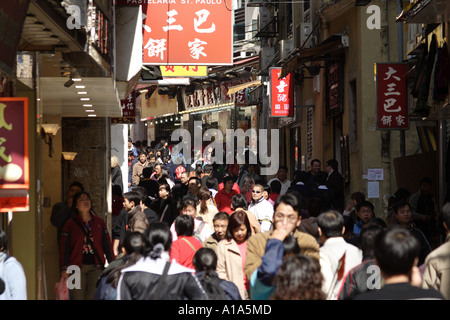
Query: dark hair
(205, 259)
(196, 179)
(226, 179)
(315, 160)
(367, 238)
(366, 204)
(142, 152)
(157, 232)
(187, 202)
(147, 172)
(299, 278)
(203, 195)
(276, 186)
(267, 188)
(358, 196)
(142, 192)
(3, 241)
(210, 182)
(300, 176)
(321, 178)
(395, 251)
(117, 190)
(238, 201)
(165, 186)
(291, 246)
(290, 200)
(333, 164)
(133, 196)
(75, 199)
(207, 168)
(77, 184)
(283, 167)
(313, 207)
(237, 219)
(331, 223)
(221, 215)
(400, 204)
(184, 225)
(426, 180)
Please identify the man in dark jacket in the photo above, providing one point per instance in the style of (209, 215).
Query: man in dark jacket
(335, 182)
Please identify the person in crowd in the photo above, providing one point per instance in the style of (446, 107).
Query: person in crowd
(337, 256)
(154, 276)
(251, 172)
(280, 245)
(322, 192)
(202, 229)
(61, 211)
(210, 183)
(131, 162)
(181, 188)
(12, 276)
(364, 277)
(299, 278)
(403, 215)
(148, 183)
(132, 250)
(138, 167)
(364, 214)
(246, 187)
(282, 177)
(165, 205)
(239, 202)
(85, 243)
(335, 183)
(232, 251)
(220, 224)
(275, 187)
(266, 194)
(396, 254)
(224, 196)
(137, 221)
(205, 208)
(116, 172)
(399, 194)
(287, 217)
(144, 204)
(184, 248)
(208, 173)
(205, 263)
(117, 204)
(350, 209)
(437, 264)
(132, 148)
(310, 180)
(194, 185)
(298, 185)
(309, 225)
(261, 208)
(222, 183)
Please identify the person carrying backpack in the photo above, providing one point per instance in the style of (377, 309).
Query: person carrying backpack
(205, 263)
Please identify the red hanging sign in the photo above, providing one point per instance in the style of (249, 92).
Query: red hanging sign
(187, 32)
(281, 94)
(392, 96)
(128, 106)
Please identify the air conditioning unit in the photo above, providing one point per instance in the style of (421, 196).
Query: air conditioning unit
(286, 47)
(266, 56)
(305, 31)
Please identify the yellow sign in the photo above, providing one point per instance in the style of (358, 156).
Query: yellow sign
(184, 71)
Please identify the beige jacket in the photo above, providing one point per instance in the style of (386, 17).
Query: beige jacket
(137, 171)
(257, 247)
(229, 265)
(437, 269)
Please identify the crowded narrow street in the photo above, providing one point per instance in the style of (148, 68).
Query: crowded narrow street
(246, 151)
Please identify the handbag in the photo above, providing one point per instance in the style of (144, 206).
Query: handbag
(90, 242)
(161, 280)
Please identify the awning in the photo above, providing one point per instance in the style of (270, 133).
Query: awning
(426, 11)
(208, 108)
(316, 53)
(240, 87)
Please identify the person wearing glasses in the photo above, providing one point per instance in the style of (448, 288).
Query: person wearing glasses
(261, 208)
(364, 214)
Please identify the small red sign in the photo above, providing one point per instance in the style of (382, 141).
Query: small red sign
(392, 96)
(281, 94)
(128, 106)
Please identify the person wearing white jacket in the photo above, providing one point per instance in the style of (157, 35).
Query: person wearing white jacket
(261, 208)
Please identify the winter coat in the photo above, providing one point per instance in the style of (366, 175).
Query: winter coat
(137, 221)
(223, 200)
(263, 211)
(13, 275)
(437, 269)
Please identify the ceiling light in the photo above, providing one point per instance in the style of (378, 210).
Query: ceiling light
(76, 79)
(89, 110)
(80, 87)
(81, 92)
(87, 105)
(85, 99)
(92, 115)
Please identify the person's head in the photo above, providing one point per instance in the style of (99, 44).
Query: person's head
(238, 227)
(184, 177)
(257, 192)
(82, 202)
(299, 278)
(203, 194)
(3, 241)
(315, 166)
(247, 184)
(134, 242)
(238, 201)
(207, 169)
(228, 183)
(184, 225)
(205, 259)
(158, 239)
(287, 213)
(367, 239)
(131, 199)
(331, 224)
(210, 182)
(194, 185)
(147, 172)
(403, 213)
(332, 165)
(130, 155)
(220, 224)
(313, 207)
(396, 252)
(282, 173)
(74, 187)
(142, 157)
(357, 197)
(426, 185)
(158, 169)
(291, 247)
(152, 158)
(275, 185)
(266, 191)
(364, 211)
(301, 176)
(164, 190)
(114, 161)
(445, 214)
(142, 192)
(320, 178)
(188, 206)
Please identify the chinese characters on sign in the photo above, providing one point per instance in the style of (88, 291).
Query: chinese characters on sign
(281, 94)
(187, 32)
(14, 162)
(392, 98)
(128, 110)
(183, 71)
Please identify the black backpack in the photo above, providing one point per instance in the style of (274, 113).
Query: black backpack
(213, 289)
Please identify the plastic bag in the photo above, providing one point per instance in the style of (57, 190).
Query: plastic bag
(61, 290)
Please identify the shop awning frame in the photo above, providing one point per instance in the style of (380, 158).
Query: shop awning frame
(426, 11)
(240, 87)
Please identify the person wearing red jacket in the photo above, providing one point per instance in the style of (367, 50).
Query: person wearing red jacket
(224, 196)
(184, 248)
(85, 242)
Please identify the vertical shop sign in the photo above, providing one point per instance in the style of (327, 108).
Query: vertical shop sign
(14, 161)
(128, 106)
(187, 32)
(392, 96)
(281, 94)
